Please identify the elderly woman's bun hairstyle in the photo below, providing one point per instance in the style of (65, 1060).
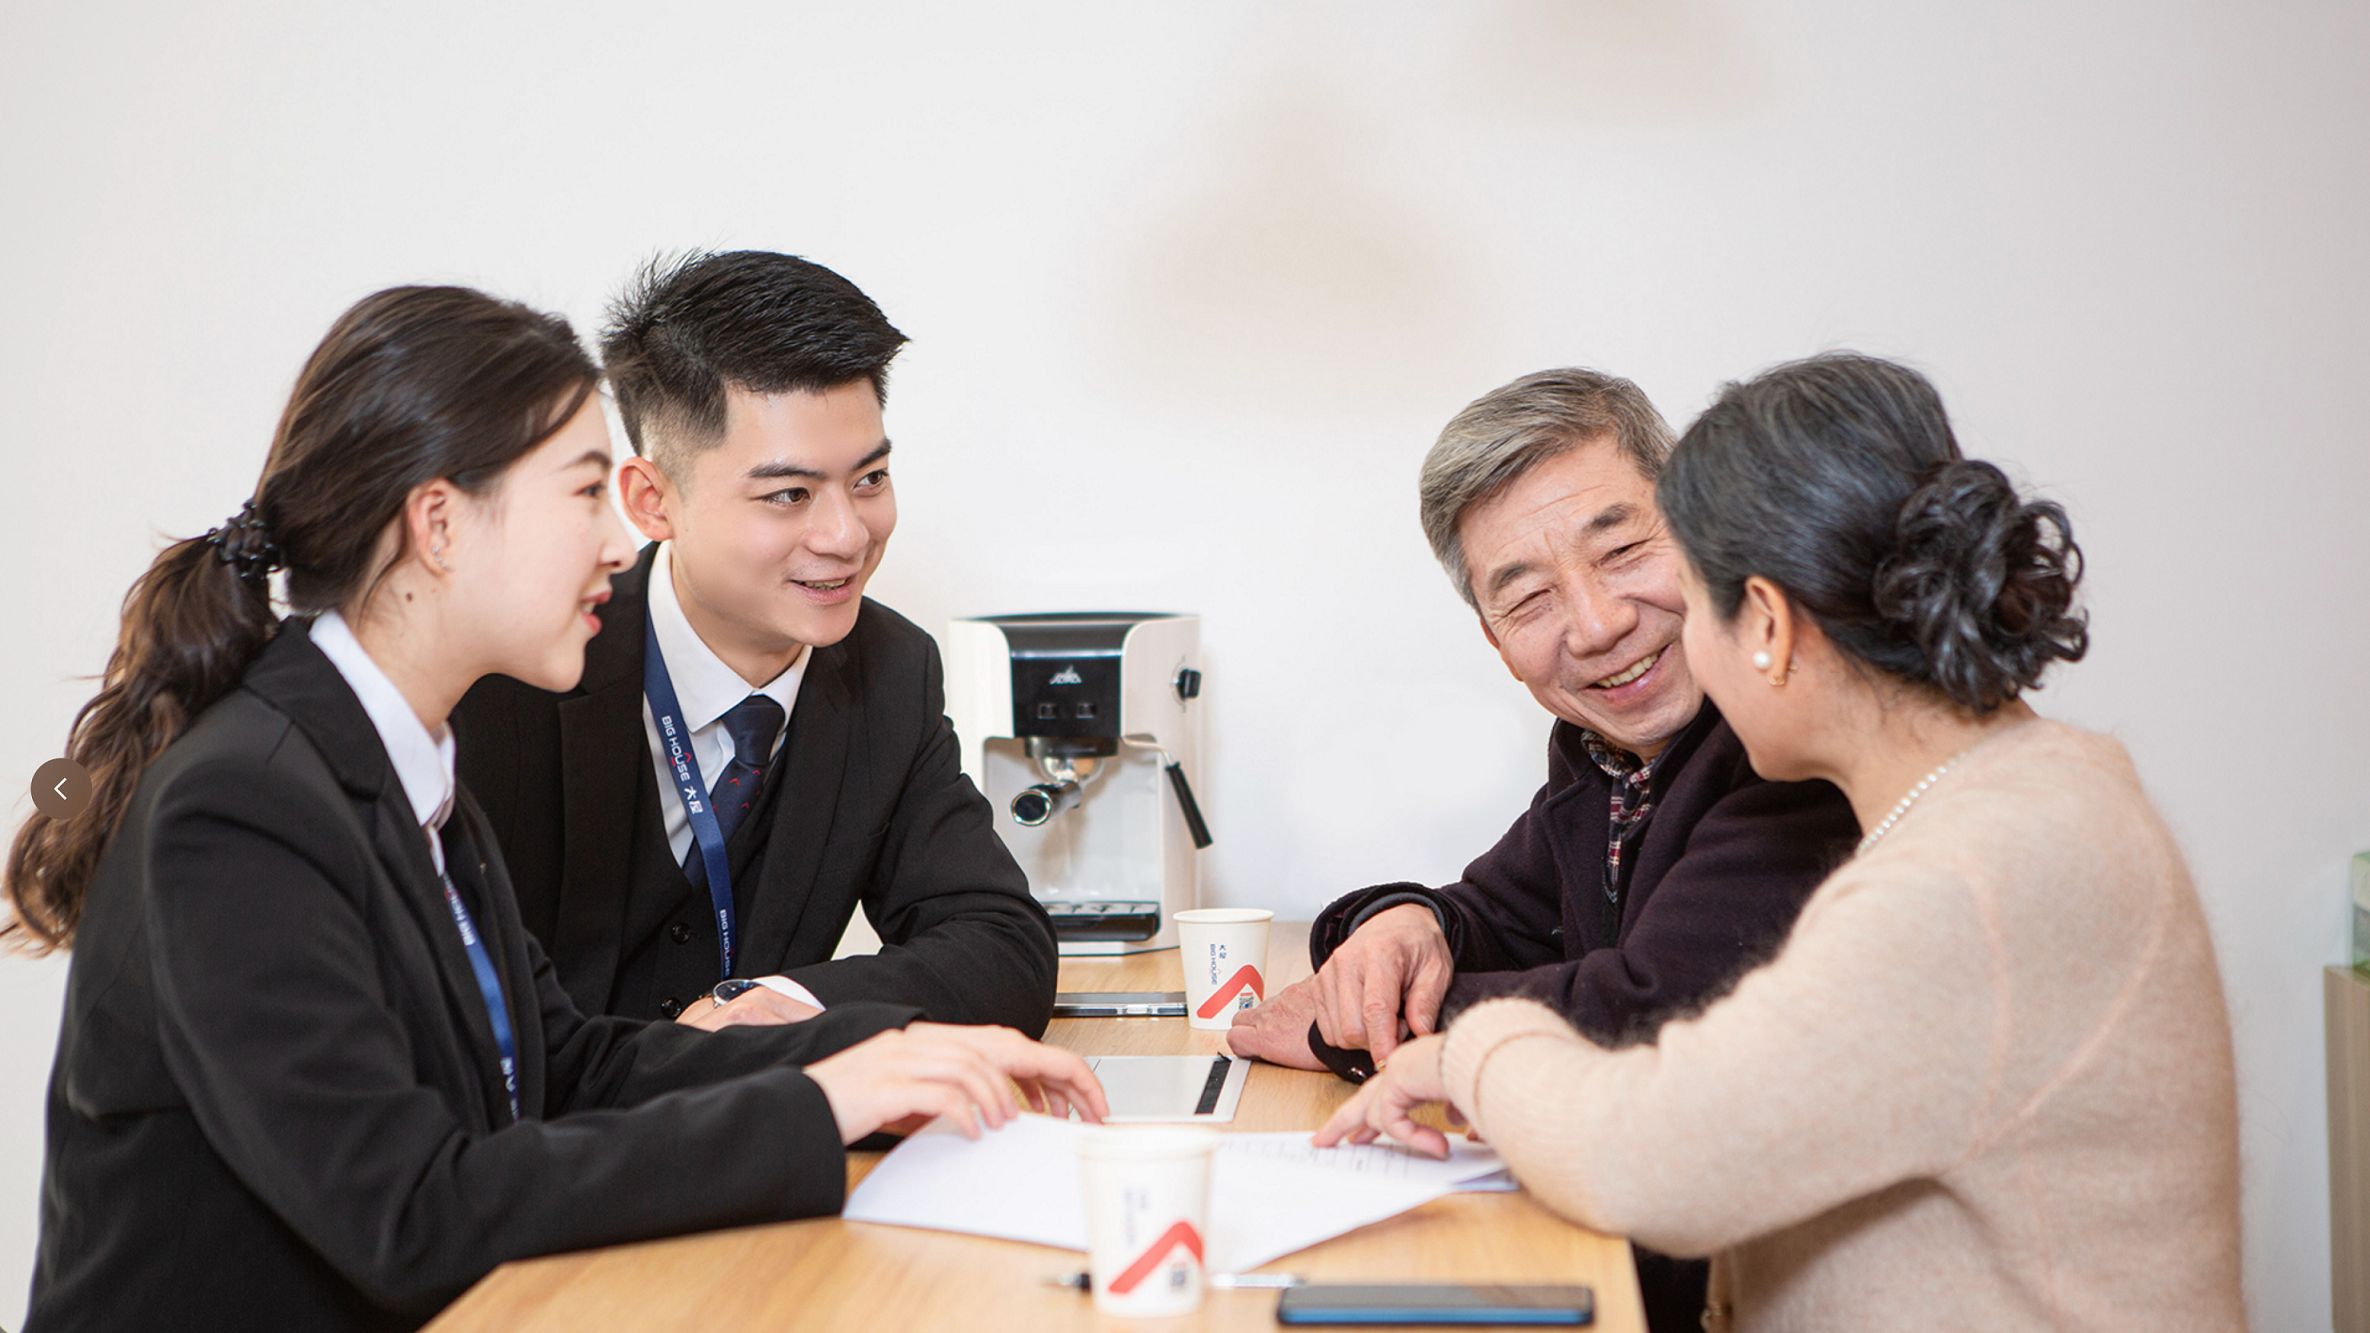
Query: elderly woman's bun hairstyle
(1838, 479)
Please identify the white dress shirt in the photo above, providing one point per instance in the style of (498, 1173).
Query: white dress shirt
(706, 689)
(423, 763)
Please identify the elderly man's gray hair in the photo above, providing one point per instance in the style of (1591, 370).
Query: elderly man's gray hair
(1508, 431)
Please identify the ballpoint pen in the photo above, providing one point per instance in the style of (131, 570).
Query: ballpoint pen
(1217, 1281)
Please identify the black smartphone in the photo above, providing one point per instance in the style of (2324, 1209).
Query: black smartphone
(1119, 1004)
(1437, 1303)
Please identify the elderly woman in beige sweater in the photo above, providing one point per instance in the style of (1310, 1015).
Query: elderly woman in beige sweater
(1987, 1082)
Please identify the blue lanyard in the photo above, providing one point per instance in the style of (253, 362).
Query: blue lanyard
(690, 788)
(489, 984)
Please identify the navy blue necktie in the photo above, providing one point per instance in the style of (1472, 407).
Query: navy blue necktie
(753, 724)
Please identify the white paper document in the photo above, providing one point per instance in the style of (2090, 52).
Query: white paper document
(1467, 1160)
(1270, 1194)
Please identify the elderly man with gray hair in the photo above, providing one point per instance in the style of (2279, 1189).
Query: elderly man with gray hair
(1654, 867)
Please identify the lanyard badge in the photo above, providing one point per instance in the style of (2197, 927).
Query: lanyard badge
(674, 739)
(489, 985)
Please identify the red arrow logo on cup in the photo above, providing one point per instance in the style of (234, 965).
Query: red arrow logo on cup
(1235, 985)
(1180, 1234)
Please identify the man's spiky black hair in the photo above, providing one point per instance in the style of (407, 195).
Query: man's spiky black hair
(690, 326)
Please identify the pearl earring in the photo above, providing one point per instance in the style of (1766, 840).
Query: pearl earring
(1761, 661)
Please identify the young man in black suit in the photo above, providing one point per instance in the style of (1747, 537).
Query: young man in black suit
(721, 810)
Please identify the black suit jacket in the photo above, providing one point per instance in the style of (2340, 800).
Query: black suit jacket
(277, 1102)
(873, 810)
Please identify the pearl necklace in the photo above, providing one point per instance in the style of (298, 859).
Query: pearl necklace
(1901, 807)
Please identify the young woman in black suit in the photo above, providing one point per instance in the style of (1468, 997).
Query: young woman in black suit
(313, 1073)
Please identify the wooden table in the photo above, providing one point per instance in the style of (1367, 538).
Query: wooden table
(828, 1273)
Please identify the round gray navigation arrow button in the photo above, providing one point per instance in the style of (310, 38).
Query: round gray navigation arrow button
(61, 789)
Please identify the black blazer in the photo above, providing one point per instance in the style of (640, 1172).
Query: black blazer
(873, 809)
(277, 1102)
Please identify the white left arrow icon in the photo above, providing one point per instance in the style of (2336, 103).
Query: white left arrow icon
(52, 798)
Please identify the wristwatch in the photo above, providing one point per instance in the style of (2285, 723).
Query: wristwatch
(730, 989)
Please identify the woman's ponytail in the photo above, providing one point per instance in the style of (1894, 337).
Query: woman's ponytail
(191, 625)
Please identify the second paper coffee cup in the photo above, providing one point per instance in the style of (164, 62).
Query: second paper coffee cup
(1224, 953)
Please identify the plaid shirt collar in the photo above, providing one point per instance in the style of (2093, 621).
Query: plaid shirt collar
(1619, 764)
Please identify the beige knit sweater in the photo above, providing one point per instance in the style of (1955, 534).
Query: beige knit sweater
(1986, 1084)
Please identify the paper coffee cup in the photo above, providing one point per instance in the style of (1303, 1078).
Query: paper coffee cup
(1224, 951)
(1147, 1210)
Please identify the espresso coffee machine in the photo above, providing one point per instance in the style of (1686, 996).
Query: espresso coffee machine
(1084, 731)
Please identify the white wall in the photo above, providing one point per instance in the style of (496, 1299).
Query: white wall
(1191, 287)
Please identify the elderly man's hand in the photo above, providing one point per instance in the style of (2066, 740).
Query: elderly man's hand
(1276, 1030)
(1393, 969)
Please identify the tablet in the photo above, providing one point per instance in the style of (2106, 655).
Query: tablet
(1157, 1089)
